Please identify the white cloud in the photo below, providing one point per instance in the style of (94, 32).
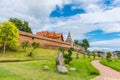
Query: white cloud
(107, 43)
(83, 23)
(102, 17)
(37, 12)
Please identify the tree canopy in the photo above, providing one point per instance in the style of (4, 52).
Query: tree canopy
(76, 42)
(8, 35)
(35, 45)
(85, 44)
(21, 25)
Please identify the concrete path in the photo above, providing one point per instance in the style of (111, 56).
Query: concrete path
(106, 73)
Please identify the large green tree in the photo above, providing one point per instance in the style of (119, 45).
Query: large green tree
(85, 44)
(21, 25)
(76, 42)
(8, 35)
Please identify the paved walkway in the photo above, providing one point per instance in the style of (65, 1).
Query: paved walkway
(106, 73)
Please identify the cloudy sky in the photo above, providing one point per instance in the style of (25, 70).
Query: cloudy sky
(96, 20)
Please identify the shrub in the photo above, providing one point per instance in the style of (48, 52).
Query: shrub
(88, 53)
(25, 44)
(61, 49)
(108, 56)
(35, 45)
(118, 54)
(30, 54)
(67, 56)
(94, 54)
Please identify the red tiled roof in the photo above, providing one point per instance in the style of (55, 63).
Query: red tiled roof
(52, 35)
(43, 33)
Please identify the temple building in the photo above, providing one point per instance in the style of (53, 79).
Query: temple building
(52, 35)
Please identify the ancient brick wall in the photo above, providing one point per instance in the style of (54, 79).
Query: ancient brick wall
(44, 42)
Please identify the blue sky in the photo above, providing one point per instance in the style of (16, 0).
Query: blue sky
(96, 20)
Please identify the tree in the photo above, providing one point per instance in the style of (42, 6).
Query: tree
(94, 54)
(35, 45)
(21, 25)
(85, 44)
(25, 44)
(108, 56)
(88, 53)
(68, 56)
(118, 54)
(8, 35)
(61, 49)
(76, 42)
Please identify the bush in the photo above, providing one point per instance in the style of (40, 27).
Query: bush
(35, 45)
(94, 54)
(118, 54)
(108, 56)
(25, 44)
(30, 54)
(61, 49)
(67, 56)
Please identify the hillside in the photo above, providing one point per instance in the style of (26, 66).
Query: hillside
(18, 66)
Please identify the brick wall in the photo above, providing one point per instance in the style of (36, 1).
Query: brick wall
(44, 42)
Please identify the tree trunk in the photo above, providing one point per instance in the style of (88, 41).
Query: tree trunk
(4, 47)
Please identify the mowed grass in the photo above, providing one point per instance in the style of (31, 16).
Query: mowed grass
(115, 63)
(33, 70)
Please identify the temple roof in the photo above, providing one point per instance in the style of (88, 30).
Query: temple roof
(52, 35)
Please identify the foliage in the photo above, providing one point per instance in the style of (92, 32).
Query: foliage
(30, 54)
(21, 25)
(35, 45)
(77, 55)
(76, 42)
(8, 36)
(84, 55)
(88, 53)
(61, 49)
(99, 54)
(94, 54)
(85, 44)
(118, 54)
(68, 56)
(25, 44)
(108, 56)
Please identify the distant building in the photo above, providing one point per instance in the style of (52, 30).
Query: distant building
(52, 35)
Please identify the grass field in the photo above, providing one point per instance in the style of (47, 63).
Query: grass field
(115, 63)
(33, 69)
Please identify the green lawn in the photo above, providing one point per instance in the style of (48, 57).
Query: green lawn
(33, 70)
(115, 63)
